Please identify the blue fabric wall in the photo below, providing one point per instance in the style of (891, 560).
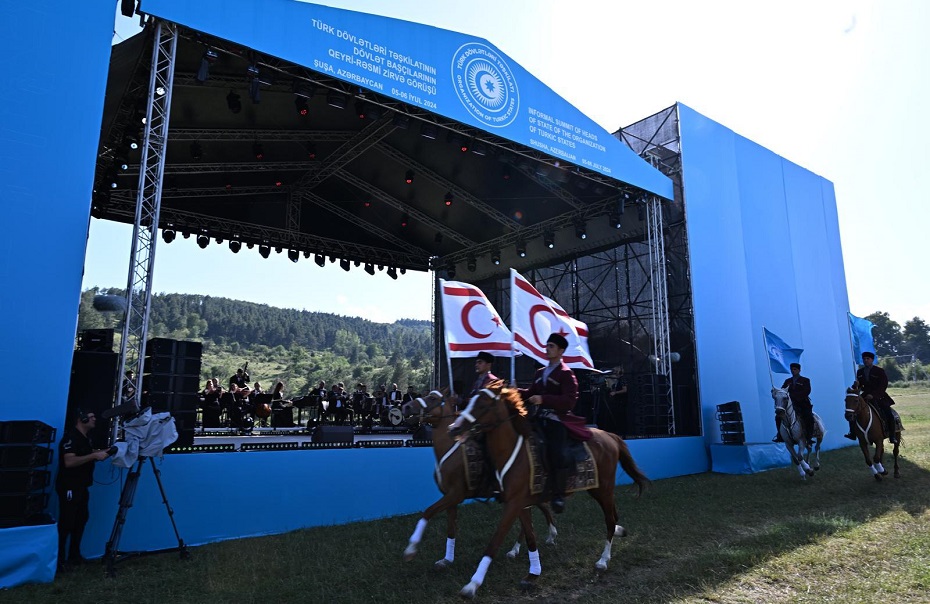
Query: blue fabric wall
(765, 251)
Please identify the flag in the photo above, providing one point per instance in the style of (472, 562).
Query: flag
(472, 325)
(861, 330)
(780, 354)
(535, 317)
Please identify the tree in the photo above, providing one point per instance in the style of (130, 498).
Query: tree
(917, 339)
(891, 369)
(886, 334)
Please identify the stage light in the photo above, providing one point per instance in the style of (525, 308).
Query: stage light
(495, 257)
(293, 255)
(403, 271)
(549, 239)
(255, 91)
(258, 151)
(450, 270)
(196, 151)
(580, 231)
(311, 150)
(168, 235)
(278, 249)
(345, 264)
(336, 99)
(613, 218)
(234, 101)
(458, 140)
(203, 241)
(369, 268)
(360, 109)
(472, 263)
(479, 148)
(219, 240)
(234, 246)
(392, 272)
(127, 8)
(264, 250)
(428, 130)
(401, 120)
(303, 89)
(131, 141)
(521, 248)
(505, 173)
(121, 161)
(448, 199)
(307, 254)
(542, 170)
(366, 203)
(300, 104)
(320, 260)
(408, 177)
(209, 57)
(250, 245)
(252, 71)
(278, 182)
(358, 263)
(185, 234)
(404, 220)
(111, 177)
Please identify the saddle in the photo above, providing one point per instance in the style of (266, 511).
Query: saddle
(898, 427)
(582, 473)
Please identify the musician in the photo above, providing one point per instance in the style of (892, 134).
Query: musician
(873, 384)
(241, 379)
(395, 396)
(483, 364)
(799, 391)
(210, 403)
(128, 390)
(320, 395)
(338, 403)
(618, 397)
(410, 395)
(555, 393)
(282, 410)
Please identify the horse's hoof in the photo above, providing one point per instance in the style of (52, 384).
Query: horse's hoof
(885, 473)
(528, 582)
(897, 475)
(817, 469)
(549, 541)
(878, 477)
(619, 531)
(469, 591)
(442, 564)
(511, 555)
(601, 565)
(408, 556)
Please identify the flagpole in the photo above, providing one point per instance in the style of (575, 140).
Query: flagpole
(768, 358)
(852, 348)
(445, 339)
(513, 338)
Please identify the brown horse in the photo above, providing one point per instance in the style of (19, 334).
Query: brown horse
(870, 431)
(499, 413)
(451, 477)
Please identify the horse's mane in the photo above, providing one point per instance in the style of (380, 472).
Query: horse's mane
(511, 397)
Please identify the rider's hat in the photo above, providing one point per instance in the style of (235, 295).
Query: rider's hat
(793, 365)
(868, 354)
(487, 357)
(559, 340)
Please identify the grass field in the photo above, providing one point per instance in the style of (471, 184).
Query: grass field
(769, 537)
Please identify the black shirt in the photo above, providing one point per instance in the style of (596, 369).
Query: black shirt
(81, 476)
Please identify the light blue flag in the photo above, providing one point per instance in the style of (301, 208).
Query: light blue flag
(861, 330)
(781, 355)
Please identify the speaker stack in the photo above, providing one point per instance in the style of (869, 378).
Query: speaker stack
(171, 381)
(653, 414)
(93, 387)
(26, 450)
(730, 417)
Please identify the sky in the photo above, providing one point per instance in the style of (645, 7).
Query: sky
(836, 86)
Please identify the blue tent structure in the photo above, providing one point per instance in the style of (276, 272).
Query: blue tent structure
(762, 239)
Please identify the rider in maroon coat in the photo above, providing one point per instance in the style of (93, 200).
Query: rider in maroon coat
(555, 392)
(873, 383)
(483, 364)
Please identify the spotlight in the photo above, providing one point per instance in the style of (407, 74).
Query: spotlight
(111, 177)
(121, 161)
(219, 240)
(255, 91)
(549, 239)
(472, 263)
(203, 241)
(448, 199)
(259, 151)
(450, 270)
(521, 248)
(580, 232)
(496, 257)
(131, 141)
(428, 130)
(404, 220)
(250, 245)
(307, 254)
(293, 255)
(505, 173)
(613, 218)
(278, 249)
(234, 101)
(264, 250)
(479, 148)
(403, 271)
(303, 89)
(336, 99)
(252, 71)
(542, 170)
(459, 141)
(392, 272)
(168, 235)
(311, 150)
(369, 268)
(320, 260)
(300, 104)
(234, 246)
(408, 177)
(196, 151)
(209, 57)
(345, 264)
(358, 263)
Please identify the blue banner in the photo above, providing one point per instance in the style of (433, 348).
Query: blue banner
(454, 75)
(781, 355)
(861, 331)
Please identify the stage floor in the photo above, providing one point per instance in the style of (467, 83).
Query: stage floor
(226, 436)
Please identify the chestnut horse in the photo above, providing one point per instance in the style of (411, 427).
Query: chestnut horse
(500, 413)
(791, 432)
(451, 477)
(870, 431)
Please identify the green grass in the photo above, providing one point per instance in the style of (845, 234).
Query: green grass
(769, 537)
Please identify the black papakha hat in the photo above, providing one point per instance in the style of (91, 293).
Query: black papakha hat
(793, 365)
(559, 340)
(869, 354)
(487, 357)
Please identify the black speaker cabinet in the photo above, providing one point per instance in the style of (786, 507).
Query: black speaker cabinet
(26, 432)
(333, 434)
(93, 388)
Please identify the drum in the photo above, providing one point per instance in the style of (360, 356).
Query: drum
(395, 417)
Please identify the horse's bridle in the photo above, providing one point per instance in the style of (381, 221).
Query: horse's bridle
(437, 401)
(476, 426)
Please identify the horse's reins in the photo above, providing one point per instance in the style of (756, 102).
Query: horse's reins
(859, 403)
(475, 424)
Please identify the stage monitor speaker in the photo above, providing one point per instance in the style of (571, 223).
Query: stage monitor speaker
(93, 389)
(333, 434)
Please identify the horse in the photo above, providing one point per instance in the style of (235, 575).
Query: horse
(500, 413)
(792, 433)
(451, 477)
(870, 431)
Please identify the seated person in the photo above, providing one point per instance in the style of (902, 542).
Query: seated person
(210, 404)
(282, 410)
(338, 404)
(410, 395)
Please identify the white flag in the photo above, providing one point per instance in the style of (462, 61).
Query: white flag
(535, 317)
(472, 325)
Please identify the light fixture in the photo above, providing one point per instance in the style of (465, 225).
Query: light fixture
(303, 89)
(111, 177)
(408, 177)
(580, 231)
(264, 250)
(293, 255)
(345, 264)
(392, 272)
(521, 248)
(300, 104)
(472, 263)
(168, 235)
(428, 130)
(311, 150)
(209, 57)
(131, 141)
(258, 151)
(196, 151)
(320, 260)
(250, 245)
(336, 99)
(307, 254)
(505, 173)
(234, 101)
(459, 141)
(278, 249)
(203, 241)
(121, 160)
(613, 219)
(479, 148)
(549, 239)
(495, 257)
(450, 270)
(404, 220)
(448, 199)
(369, 268)
(235, 246)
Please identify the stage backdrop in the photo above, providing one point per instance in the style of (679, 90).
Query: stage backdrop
(765, 251)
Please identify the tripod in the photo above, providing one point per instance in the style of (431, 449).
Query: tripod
(113, 555)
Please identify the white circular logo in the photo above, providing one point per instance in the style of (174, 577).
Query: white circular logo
(485, 84)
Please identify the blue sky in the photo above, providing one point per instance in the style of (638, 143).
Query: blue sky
(835, 86)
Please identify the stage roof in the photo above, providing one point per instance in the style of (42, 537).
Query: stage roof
(497, 159)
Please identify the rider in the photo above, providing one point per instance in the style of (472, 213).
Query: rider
(873, 382)
(483, 363)
(555, 392)
(799, 391)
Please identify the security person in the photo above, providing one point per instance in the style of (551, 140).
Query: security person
(76, 460)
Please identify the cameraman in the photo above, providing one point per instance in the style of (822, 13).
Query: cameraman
(75, 475)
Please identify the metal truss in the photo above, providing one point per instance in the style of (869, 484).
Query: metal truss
(348, 151)
(235, 167)
(223, 134)
(555, 189)
(148, 204)
(236, 191)
(293, 212)
(658, 282)
(459, 193)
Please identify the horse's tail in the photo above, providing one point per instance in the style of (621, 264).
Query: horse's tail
(629, 464)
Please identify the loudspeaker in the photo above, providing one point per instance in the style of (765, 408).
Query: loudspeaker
(333, 434)
(26, 432)
(23, 481)
(93, 389)
(96, 340)
(24, 456)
